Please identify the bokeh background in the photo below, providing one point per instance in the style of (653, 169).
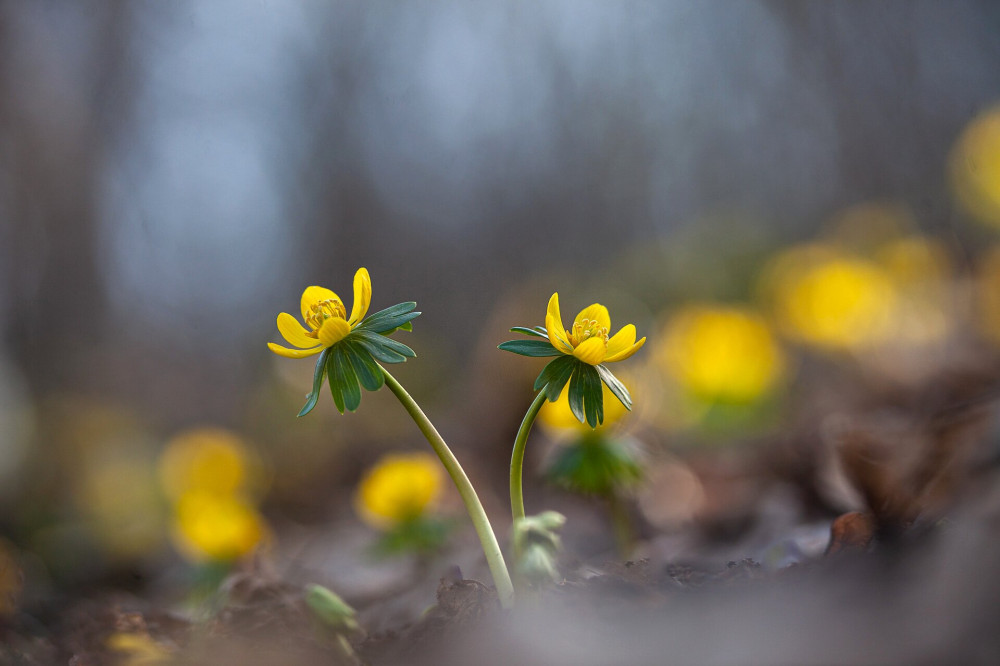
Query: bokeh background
(172, 175)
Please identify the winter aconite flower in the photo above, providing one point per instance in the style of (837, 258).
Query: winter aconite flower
(830, 298)
(721, 353)
(217, 528)
(975, 167)
(401, 487)
(349, 347)
(583, 349)
(588, 338)
(397, 497)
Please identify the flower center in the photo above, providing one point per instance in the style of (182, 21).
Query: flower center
(584, 329)
(323, 310)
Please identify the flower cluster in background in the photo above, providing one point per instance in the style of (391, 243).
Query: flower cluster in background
(213, 484)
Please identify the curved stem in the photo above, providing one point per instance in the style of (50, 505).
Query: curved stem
(517, 458)
(494, 557)
(622, 525)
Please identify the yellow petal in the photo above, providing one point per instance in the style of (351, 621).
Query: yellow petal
(595, 312)
(313, 295)
(622, 355)
(293, 331)
(362, 296)
(333, 331)
(293, 353)
(591, 350)
(554, 325)
(621, 340)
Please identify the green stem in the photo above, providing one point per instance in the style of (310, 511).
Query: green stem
(494, 557)
(517, 459)
(622, 525)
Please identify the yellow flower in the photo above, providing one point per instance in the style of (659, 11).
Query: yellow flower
(581, 354)
(325, 315)
(212, 460)
(218, 528)
(349, 349)
(723, 353)
(975, 167)
(587, 339)
(400, 487)
(832, 299)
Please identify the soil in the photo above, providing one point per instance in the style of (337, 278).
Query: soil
(926, 597)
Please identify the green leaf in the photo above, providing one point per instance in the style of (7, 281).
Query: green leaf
(596, 465)
(593, 395)
(377, 339)
(392, 323)
(313, 396)
(378, 352)
(529, 331)
(368, 371)
(586, 399)
(555, 375)
(541, 329)
(389, 319)
(616, 386)
(420, 534)
(530, 348)
(408, 326)
(391, 311)
(336, 388)
(347, 379)
(576, 393)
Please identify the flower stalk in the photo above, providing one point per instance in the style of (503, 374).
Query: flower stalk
(517, 458)
(488, 539)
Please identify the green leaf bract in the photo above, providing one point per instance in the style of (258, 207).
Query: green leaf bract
(530, 348)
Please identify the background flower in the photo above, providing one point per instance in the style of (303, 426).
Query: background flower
(400, 487)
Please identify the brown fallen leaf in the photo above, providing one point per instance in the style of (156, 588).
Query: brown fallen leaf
(852, 531)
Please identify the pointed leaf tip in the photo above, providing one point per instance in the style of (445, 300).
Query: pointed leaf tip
(313, 397)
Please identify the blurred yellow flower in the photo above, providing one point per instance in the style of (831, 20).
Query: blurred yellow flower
(559, 418)
(137, 649)
(400, 487)
(975, 167)
(325, 315)
(209, 460)
(218, 528)
(721, 353)
(588, 338)
(831, 299)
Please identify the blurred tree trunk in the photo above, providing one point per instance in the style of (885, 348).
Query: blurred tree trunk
(59, 100)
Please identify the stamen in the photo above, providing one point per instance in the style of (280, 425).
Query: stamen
(323, 310)
(585, 329)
